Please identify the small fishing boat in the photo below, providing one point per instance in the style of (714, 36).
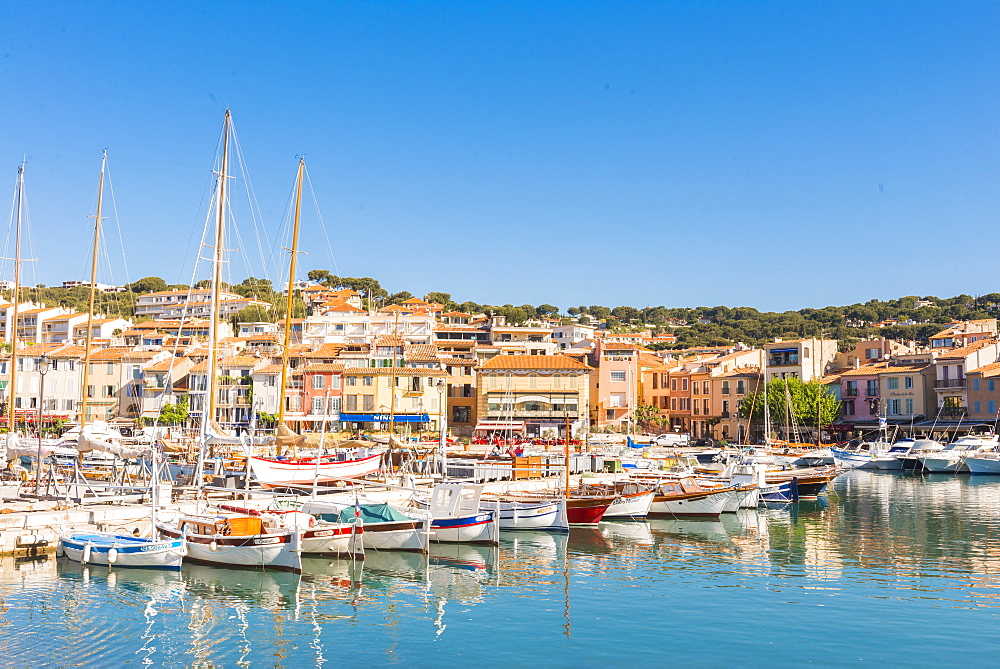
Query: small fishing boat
(632, 499)
(457, 515)
(236, 540)
(520, 515)
(685, 497)
(122, 550)
(386, 528)
(306, 471)
(318, 537)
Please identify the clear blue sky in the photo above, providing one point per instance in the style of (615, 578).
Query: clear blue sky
(771, 154)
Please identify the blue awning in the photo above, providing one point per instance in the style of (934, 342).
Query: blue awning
(383, 418)
(784, 350)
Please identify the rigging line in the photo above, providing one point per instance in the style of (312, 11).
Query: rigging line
(118, 226)
(284, 229)
(255, 215)
(322, 224)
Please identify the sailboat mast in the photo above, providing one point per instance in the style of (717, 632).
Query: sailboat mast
(17, 290)
(220, 230)
(288, 302)
(93, 292)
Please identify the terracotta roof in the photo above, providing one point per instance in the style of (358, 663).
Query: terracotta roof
(323, 367)
(533, 362)
(268, 369)
(741, 371)
(200, 368)
(389, 340)
(416, 301)
(648, 359)
(388, 371)
(165, 365)
(65, 317)
(421, 352)
(140, 355)
(458, 361)
(69, 352)
(618, 346)
(325, 351)
(992, 369)
(867, 370)
(340, 306)
(38, 349)
(108, 354)
(966, 350)
(453, 314)
(346, 292)
(906, 368)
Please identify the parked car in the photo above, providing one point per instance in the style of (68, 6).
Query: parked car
(671, 439)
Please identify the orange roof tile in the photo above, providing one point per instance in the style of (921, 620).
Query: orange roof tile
(324, 367)
(534, 362)
(388, 371)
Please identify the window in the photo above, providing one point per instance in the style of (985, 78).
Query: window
(694, 388)
(618, 376)
(907, 381)
(91, 392)
(704, 407)
(848, 407)
(533, 380)
(975, 406)
(655, 385)
(991, 407)
(725, 408)
(684, 384)
(460, 414)
(317, 382)
(872, 353)
(892, 407)
(334, 405)
(557, 380)
(741, 388)
(696, 412)
(109, 391)
(909, 406)
(335, 382)
(673, 403)
(369, 402)
(609, 414)
(368, 380)
(618, 400)
(852, 389)
(892, 383)
(725, 387)
(317, 405)
(872, 388)
(704, 387)
(352, 402)
(352, 380)
(991, 385)
(975, 385)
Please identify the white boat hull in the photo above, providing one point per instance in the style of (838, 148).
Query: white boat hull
(479, 529)
(412, 536)
(279, 552)
(276, 473)
(888, 463)
(526, 516)
(943, 465)
(745, 498)
(334, 540)
(708, 505)
(631, 506)
(980, 465)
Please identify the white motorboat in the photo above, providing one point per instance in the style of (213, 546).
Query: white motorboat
(457, 515)
(632, 499)
(891, 460)
(860, 455)
(984, 462)
(952, 459)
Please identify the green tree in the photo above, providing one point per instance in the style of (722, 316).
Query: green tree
(150, 284)
(176, 413)
(439, 297)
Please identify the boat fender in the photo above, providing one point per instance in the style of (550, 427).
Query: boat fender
(112, 555)
(85, 558)
(312, 521)
(59, 550)
(213, 546)
(184, 549)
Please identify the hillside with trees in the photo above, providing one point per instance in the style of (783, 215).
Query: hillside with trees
(910, 318)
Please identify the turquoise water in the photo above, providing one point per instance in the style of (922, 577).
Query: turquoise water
(888, 568)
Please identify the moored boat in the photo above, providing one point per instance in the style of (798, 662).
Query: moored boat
(236, 540)
(305, 471)
(122, 550)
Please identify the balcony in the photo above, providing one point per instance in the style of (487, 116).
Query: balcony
(950, 383)
(953, 412)
(851, 392)
(725, 414)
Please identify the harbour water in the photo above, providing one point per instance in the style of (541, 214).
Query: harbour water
(887, 568)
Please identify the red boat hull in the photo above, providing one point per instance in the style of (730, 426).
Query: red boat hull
(587, 511)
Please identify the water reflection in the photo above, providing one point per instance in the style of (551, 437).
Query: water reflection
(876, 537)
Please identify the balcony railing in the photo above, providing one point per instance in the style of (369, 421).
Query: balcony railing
(851, 392)
(954, 412)
(950, 383)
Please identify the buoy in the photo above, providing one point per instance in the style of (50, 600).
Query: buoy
(85, 558)
(59, 550)
(112, 555)
(213, 546)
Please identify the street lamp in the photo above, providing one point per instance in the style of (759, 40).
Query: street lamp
(440, 385)
(43, 369)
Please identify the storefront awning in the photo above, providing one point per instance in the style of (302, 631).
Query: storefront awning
(500, 425)
(384, 418)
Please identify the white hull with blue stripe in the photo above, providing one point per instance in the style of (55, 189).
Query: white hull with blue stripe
(530, 515)
(478, 529)
(122, 550)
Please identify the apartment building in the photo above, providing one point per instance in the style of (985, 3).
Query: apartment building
(408, 395)
(805, 359)
(533, 395)
(614, 384)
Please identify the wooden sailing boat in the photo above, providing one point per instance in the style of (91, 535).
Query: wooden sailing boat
(296, 471)
(225, 538)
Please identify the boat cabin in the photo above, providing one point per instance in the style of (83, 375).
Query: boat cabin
(229, 526)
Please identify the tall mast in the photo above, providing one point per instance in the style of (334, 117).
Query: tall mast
(93, 292)
(17, 290)
(220, 229)
(288, 303)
